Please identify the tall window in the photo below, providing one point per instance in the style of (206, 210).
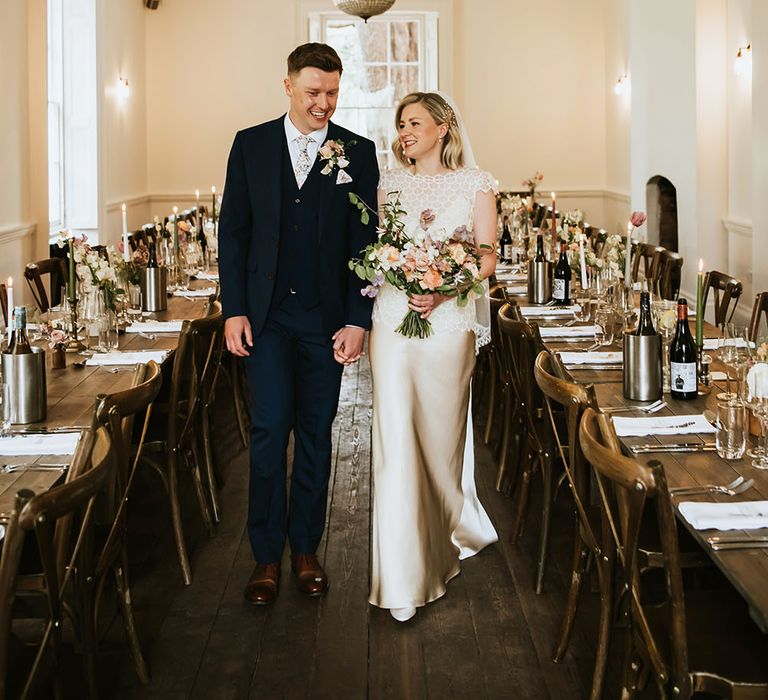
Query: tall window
(384, 60)
(55, 117)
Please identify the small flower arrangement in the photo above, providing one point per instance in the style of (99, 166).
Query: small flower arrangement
(93, 271)
(130, 271)
(612, 257)
(334, 153)
(762, 351)
(533, 182)
(58, 339)
(418, 262)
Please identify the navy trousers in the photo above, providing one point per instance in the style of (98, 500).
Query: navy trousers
(294, 385)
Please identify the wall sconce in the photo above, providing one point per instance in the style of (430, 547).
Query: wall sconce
(121, 89)
(743, 63)
(621, 85)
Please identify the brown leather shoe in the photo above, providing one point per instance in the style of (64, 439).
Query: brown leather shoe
(311, 580)
(261, 588)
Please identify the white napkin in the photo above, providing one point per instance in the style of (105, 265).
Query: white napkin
(662, 425)
(155, 327)
(567, 311)
(211, 276)
(50, 444)
(127, 358)
(716, 343)
(731, 515)
(194, 293)
(568, 332)
(2, 532)
(517, 289)
(614, 357)
(511, 277)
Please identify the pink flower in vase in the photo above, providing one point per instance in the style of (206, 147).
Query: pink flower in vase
(638, 218)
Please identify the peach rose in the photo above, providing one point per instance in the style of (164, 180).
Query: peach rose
(432, 279)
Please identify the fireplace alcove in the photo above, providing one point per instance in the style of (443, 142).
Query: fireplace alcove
(661, 206)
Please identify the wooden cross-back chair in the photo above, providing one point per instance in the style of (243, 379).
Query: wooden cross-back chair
(61, 522)
(561, 389)
(117, 412)
(178, 448)
(666, 273)
(137, 239)
(493, 378)
(759, 312)
(597, 240)
(726, 291)
(659, 644)
(642, 261)
(522, 343)
(34, 272)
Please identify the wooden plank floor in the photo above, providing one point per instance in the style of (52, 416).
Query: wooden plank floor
(489, 637)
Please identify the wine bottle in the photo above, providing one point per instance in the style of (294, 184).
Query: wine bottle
(19, 341)
(506, 243)
(562, 282)
(645, 325)
(682, 357)
(152, 262)
(539, 249)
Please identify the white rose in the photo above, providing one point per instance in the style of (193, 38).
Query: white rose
(757, 380)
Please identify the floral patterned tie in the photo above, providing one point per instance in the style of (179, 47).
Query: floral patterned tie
(303, 163)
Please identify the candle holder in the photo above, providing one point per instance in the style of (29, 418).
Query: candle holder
(74, 344)
(702, 371)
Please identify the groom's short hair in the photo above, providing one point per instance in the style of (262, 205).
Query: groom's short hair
(314, 55)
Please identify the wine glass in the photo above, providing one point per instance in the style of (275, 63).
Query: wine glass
(728, 353)
(756, 394)
(583, 310)
(604, 325)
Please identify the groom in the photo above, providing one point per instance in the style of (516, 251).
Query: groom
(293, 308)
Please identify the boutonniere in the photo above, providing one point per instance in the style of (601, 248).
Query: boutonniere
(335, 156)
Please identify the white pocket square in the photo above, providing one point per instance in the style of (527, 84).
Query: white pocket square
(343, 178)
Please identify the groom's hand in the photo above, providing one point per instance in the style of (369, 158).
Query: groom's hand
(348, 345)
(235, 328)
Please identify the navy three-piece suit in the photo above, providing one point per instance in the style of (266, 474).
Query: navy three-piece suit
(283, 263)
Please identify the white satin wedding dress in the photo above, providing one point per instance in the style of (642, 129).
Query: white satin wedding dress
(426, 513)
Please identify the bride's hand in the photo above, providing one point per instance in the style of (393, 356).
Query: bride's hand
(425, 304)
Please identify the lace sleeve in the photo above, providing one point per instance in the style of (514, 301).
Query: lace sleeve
(388, 181)
(485, 182)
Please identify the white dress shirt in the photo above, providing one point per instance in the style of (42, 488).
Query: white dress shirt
(292, 133)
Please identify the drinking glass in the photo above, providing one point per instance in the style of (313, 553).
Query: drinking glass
(665, 320)
(134, 303)
(583, 304)
(91, 314)
(756, 394)
(604, 325)
(731, 436)
(728, 353)
(5, 408)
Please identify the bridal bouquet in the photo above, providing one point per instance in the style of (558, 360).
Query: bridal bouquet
(417, 262)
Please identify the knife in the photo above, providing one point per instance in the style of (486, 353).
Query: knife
(724, 539)
(675, 447)
(754, 544)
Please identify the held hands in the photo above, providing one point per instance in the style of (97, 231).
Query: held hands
(348, 345)
(425, 304)
(236, 329)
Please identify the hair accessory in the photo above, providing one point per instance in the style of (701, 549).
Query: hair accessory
(451, 114)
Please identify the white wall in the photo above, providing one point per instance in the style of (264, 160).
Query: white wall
(759, 39)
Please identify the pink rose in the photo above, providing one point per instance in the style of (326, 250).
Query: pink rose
(427, 218)
(637, 218)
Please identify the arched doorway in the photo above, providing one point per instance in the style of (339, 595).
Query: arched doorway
(661, 205)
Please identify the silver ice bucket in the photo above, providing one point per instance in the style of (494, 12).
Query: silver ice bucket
(154, 289)
(539, 282)
(643, 375)
(25, 377)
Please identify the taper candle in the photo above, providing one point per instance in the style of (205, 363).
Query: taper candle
(554, 219)
(628, 257)
(700, 304)
(72, 291)
(213, 202)
(9, 291)
(176, 233)
(126, 246)
(583, 263)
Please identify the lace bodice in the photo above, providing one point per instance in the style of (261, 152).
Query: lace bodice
(451, 197)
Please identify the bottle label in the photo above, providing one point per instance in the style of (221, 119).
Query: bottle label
(559, 290)
(506, 251)
(683, 376)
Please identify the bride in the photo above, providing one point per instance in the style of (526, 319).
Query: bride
(426, 515)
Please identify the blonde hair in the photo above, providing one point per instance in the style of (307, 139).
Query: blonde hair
(452, 153)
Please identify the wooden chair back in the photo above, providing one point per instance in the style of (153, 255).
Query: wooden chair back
(627, 488)
(56, 268)
(666, 273)
(642, 259)
(726, 291)
(66, 562)
(597, 240)
(759, 312)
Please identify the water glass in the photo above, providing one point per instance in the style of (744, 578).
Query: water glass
(583, 304)
(731, 436)
(134, 303)
(5, 408)
(604, 325)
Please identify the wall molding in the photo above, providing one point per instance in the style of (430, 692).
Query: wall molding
(734, 227)
(8, 234)
(136, 201)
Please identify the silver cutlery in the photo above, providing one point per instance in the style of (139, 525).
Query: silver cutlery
(725, 539)
(736, 482)
(45, 431)
(714, 488)
(599, 367)
(674, 447)
(726, 546)
(652, 408)
(11, 468)
(148, 336)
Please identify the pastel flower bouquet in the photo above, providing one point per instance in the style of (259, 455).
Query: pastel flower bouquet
(419, 262)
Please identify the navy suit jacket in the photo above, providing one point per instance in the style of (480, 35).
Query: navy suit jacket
(249, 227)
